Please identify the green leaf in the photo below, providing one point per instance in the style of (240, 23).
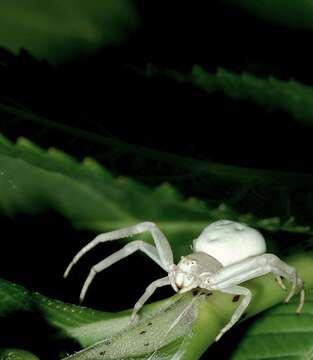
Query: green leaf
(57, 30)
(297, 14)
(281, 199)
(33, 180)
(269, 93)
(16, 354)
(279, 335)
(159, 330)
(89, 327)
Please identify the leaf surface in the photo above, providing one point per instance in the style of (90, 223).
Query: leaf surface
(89, 197)
(58, 30)
(294, 14)
(279, 335)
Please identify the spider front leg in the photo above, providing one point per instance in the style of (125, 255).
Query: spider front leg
(161, 243)
(254, 267)
(127, 250)
(149, 291)
(236, 290)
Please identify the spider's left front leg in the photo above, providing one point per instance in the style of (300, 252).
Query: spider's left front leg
(254, 267)
(227, 280)
(236, 290)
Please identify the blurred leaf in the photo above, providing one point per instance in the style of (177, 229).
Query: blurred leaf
(16, 354)
(32, 180)
(265, 193)
(57, 30)
(290, 96)
(298, 14)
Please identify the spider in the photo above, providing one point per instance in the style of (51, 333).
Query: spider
(225, 255)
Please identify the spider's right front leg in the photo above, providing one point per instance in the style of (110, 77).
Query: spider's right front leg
(149, 291)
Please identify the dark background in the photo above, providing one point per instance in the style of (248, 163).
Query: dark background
(108, 94)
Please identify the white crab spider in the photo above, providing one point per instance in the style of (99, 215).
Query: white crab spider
(224, 255)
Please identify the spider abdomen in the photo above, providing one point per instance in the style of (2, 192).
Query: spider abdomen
(229, 242)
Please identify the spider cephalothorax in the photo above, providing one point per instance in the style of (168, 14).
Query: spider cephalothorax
(225, 255)
(191, 270)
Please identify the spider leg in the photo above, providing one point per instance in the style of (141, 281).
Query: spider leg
(162, 245)
(127, 250)
(149, 291)
(257, 266)
(280, 282)
(236, 290)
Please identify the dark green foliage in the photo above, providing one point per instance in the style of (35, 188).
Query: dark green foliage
(59, 31)
(297, 14)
